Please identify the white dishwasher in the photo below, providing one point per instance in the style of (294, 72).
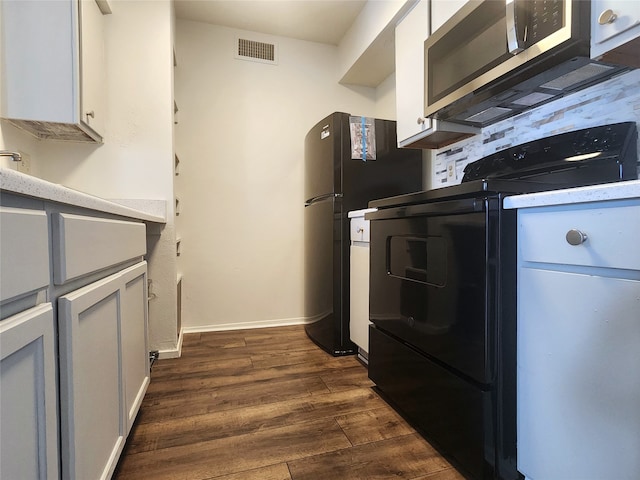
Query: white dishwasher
(359, 282)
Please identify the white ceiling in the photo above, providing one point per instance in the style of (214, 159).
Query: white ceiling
(324, 21)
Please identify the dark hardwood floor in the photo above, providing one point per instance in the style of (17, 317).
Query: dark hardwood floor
(268, 404)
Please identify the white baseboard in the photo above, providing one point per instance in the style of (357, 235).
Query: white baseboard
(281, 322)
(174, 352)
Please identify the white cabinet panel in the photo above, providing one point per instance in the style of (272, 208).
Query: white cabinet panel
(413, 129)
(28, 396)
(578, 382)
(411, 33)
(92, 65)
(24, 249)
(620, 24)
(45, 47)
(360, 229)
(611, 236)
(359, 296)
(83, 245)
(135, 356)
(578, 337)
(93, 424)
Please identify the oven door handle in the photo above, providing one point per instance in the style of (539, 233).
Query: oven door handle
(449, 207)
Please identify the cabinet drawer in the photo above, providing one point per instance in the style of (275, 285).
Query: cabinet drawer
(360, 230)
(627, 15)
(82, 245)
(24, 249)
(611, 236)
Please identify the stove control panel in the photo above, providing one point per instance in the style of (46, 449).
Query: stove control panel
(587, 149)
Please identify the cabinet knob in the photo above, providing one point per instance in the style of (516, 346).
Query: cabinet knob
(576, 237)
(360, 230)
(420, 120)
(607, 17)
(91, 114)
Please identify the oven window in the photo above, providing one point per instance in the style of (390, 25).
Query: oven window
(418, 259)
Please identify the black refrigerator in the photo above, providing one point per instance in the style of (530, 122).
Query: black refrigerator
(349, 161)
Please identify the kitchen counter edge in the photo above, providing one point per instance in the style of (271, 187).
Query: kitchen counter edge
(594, 193)
(19, 183)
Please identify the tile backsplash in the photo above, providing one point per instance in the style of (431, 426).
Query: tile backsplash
(613, 101)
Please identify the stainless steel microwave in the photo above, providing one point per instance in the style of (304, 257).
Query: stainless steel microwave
(494, 59)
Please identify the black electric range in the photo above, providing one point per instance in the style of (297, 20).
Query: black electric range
(443, 292)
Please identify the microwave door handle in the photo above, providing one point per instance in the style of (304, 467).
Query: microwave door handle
(514, 44)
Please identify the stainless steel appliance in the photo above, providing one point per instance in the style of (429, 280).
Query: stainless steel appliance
(493, 60)
(443, 292)
(336, 183)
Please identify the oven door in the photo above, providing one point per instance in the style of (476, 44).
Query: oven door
(429, 278)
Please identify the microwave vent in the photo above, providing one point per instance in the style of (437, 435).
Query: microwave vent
(256, 51)
(488, 114)
(533, 99)
(577, 76)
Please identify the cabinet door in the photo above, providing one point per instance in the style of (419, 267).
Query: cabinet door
(28, 397)
(411, 33)
(621, 24)
(135, 352)
(45, 79)
(91, 395)
(92, 66)
(578, 382)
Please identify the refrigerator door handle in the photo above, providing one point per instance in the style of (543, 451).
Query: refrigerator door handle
(321, 198)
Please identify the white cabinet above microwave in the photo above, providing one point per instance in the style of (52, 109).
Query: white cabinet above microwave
(615, 31)
(53, 75)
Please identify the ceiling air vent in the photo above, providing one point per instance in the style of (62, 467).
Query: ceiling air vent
(257, 51)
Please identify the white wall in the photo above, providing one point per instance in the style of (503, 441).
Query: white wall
(373, 19)
(240, 139)
(136, 159)
(386, 98)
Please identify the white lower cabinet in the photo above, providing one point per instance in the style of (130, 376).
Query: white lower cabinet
(579, 390)
(578, 341)
(28, 397)
(73, 339)
(91, 393)
(135, 356)
(104, 370)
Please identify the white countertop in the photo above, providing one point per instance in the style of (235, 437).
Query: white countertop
(29, 186)
(360, 213)
(595, 193)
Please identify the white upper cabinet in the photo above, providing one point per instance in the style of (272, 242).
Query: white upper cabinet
(614, 23)
(443, 10)
(53, 80)
(413, 129)
(411, 33)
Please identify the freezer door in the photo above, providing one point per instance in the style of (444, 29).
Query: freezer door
(322, 151)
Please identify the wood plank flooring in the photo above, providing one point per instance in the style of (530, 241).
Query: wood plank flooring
(268, 404)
